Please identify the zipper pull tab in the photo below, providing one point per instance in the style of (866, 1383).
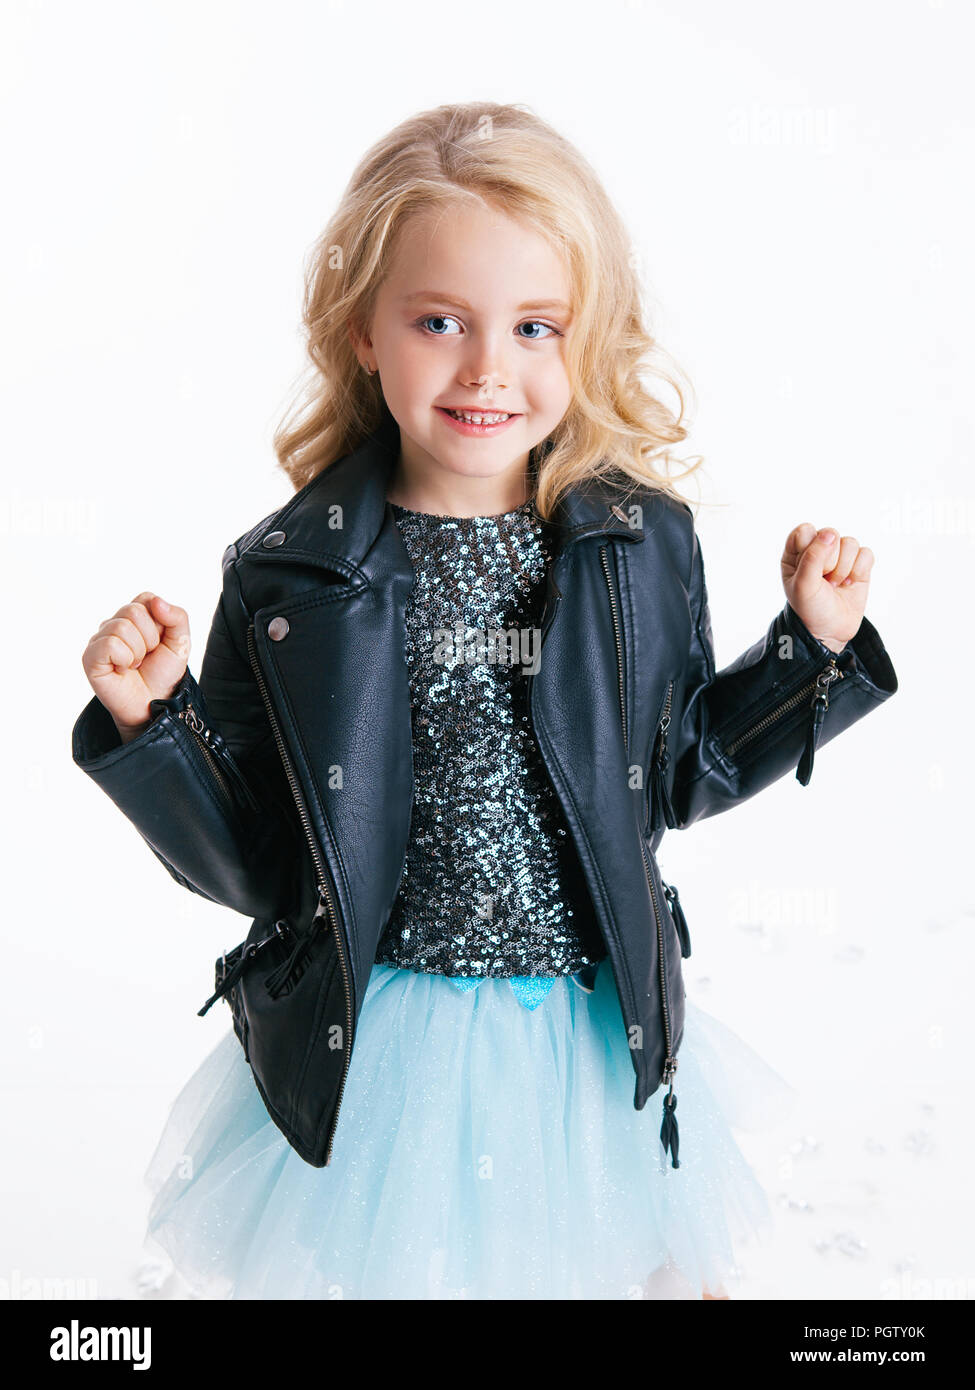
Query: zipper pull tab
(659, 795)
(217, 743)
(669, 1136)
(230, 978)
(289, 971)
(680, 921)
(820, 704)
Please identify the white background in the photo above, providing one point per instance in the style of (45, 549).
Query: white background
(796, 178)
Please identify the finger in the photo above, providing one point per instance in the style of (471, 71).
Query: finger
(796, 543)
(816, 560)
(108, 654)
(167, 614)
(862, 565)
(848, 553)
(173, 620)
(130, 634)
(139, 614)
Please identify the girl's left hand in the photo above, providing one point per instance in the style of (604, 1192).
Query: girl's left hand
(826, 582)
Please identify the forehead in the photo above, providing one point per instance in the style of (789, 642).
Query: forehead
(478, 253)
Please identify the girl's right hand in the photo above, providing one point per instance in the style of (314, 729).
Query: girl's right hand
(136, 656)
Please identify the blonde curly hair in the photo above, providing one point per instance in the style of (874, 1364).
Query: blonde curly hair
(506, 157)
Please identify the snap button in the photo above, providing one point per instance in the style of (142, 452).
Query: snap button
(273, 538)
(619, 512)
(278, 628)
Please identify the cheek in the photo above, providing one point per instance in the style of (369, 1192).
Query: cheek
(549, 384)
(414, 369)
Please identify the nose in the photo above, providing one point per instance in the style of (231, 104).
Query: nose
(485, 368)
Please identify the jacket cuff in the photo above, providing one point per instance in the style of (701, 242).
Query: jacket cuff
(836, 690)
(864, 656)
(95, 740)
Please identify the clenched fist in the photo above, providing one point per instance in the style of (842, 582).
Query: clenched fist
(826, 582)
(136, 656)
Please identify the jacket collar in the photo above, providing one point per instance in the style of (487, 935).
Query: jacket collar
(334, 520)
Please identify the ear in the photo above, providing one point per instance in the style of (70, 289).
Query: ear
(361, 342)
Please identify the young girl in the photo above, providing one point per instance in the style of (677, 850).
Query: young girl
(494, 911)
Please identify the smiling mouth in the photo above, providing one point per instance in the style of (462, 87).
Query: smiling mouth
(478, 417)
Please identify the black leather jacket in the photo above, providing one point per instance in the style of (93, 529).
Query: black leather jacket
(281, 784)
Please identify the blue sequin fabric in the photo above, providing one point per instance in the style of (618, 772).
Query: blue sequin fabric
(492, 884)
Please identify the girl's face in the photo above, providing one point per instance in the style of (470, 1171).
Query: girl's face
(473, 315)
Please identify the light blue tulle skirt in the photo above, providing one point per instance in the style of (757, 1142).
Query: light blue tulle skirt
(487, 1147)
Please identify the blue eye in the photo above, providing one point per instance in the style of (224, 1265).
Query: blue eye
(535, 323)
(438, 318)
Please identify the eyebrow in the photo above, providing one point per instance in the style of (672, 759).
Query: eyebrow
(462, 303)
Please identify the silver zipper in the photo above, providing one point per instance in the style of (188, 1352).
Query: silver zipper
(818, 688)
(193, 722)
(324, 891)
(670, 1063)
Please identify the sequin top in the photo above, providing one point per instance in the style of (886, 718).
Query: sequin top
(492, 884)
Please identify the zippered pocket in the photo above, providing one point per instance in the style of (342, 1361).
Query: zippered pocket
(660, 810)
(812, 693)
(228, 970)
(232, 964)
(283, 953)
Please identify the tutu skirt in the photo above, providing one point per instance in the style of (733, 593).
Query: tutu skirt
(487, 1147)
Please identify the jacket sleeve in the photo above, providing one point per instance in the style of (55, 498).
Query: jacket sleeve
(746, 726)
(202, 783)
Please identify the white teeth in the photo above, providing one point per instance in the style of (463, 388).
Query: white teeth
(494, 418)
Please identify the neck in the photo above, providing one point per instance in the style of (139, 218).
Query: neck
(455, 495)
